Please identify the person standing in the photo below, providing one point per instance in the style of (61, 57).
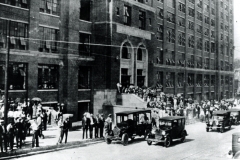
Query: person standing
(60, 129)
(85, 125)
(3, 137)
(91, 125)
(96, 125)
(108, 124)
(66, 127)
(45, 120)
(101, 125)
(19, 132)
(34, 126)
(49, 116)
(34, 111)
(10, 135)
(39, 124)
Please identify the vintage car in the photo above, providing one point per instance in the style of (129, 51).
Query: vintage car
(130, 124)
(235, 115)
(220, 120)
(169, 129)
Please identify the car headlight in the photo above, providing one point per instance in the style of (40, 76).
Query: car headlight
(163, 133)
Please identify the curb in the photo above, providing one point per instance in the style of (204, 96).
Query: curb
(45, 149)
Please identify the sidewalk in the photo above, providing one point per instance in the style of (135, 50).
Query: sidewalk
(48, 144)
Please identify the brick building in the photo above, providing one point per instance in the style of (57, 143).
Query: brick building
(76, 51)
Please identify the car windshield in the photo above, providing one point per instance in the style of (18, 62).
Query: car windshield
(165, 123)
(234, 113)
(219, 118)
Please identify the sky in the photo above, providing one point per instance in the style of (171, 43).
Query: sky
(236, 28)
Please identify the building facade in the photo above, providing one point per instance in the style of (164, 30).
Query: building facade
(76, 51)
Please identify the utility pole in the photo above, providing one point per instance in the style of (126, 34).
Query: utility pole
(6, 75)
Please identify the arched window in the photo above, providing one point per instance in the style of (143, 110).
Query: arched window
(125, 53)
(139, 54)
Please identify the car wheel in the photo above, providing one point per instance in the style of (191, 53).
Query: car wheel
(183, 138)
(146, 133)
(125, 139)
(167, 142)
(222, 129)
(207, 129)
(109, 141)
(149, 142)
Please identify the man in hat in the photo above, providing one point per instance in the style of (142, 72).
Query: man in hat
(92, 122)
(3, 137)
(66, 127)
(19, 132)
(10, 134)
(101, 125)
(108, 124)
(85, 125)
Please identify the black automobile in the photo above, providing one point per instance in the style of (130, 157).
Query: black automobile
(169, 129)
(235, 115)
(130, 124)
(220, 120)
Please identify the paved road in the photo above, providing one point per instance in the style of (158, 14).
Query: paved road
(198, 145)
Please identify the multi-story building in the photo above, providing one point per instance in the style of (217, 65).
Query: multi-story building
(76, 51)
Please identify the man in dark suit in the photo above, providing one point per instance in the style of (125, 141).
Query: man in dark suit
(85, 124)
(19, 131)
(96, 125)
(101, 125)
(66, 127)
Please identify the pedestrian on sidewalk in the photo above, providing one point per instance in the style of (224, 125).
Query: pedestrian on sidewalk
(3, 138)
(60, 129)
(66, 127)
(10, 135)
(96, 125)
(101, 125)
(85, 124)
(39, 123)
(92, 122)
(49, 117)
(34, 126)
(45, 120)
(19, 132)
(108, 125)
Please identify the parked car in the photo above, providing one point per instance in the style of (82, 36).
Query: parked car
(169, 129)
(235, 115)
(130, 124)
(221, 120)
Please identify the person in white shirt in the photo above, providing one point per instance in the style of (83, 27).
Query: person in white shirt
(60, 129)
(34, 126)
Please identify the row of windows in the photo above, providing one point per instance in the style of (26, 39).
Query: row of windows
(47, 76)
(18, 3)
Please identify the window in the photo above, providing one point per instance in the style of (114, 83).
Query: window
(117, 11)
(221, 37)
(84, 74)
(221, 25)
(199, 80)
(191, 12)
(160, 57)
(207, 63)
(160, 12)
(207, 20)
(199, 3)
(181, 7)
(199, 16)
(199, 43)
(212, 34)
(227, 17)
(226, 27)
(17, 75)
(180, 79)
(221, 49)
(190, 25)
(142, 20)
(181, 60)
(139, 72)
(49, 38)
(47, 77)
(190, 81)
(212, 47)
(221, 3)
(22, 3)
(139, 54)
(169, 80)
(159, 76)
(191, 41)
(160, 32)
(125, 52)
(206, 46)
(127, 15)
(199, 62)
(171, 35)
(212, 64)
(124, 71)
(206, 80)
(221, 14)
(199, 29)
(18, 35)
(171, 3)
(213, 11)
(181, 39)
(212, 22)
(170, 58)
(206, 8)
(192, 1)
(3, 33)
(206, 32)
(181, 21)
(84, 46)
(212, 80)
(170, 17)
(226, 7)
(50, 7)
(150, 21)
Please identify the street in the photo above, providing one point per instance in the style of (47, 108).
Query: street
(199, 144)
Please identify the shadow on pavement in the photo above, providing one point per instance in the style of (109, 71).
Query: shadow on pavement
(174, 143)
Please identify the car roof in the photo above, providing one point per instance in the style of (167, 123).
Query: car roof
(134, 111)
(170, 118)
(234, 109)
(220, 112)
